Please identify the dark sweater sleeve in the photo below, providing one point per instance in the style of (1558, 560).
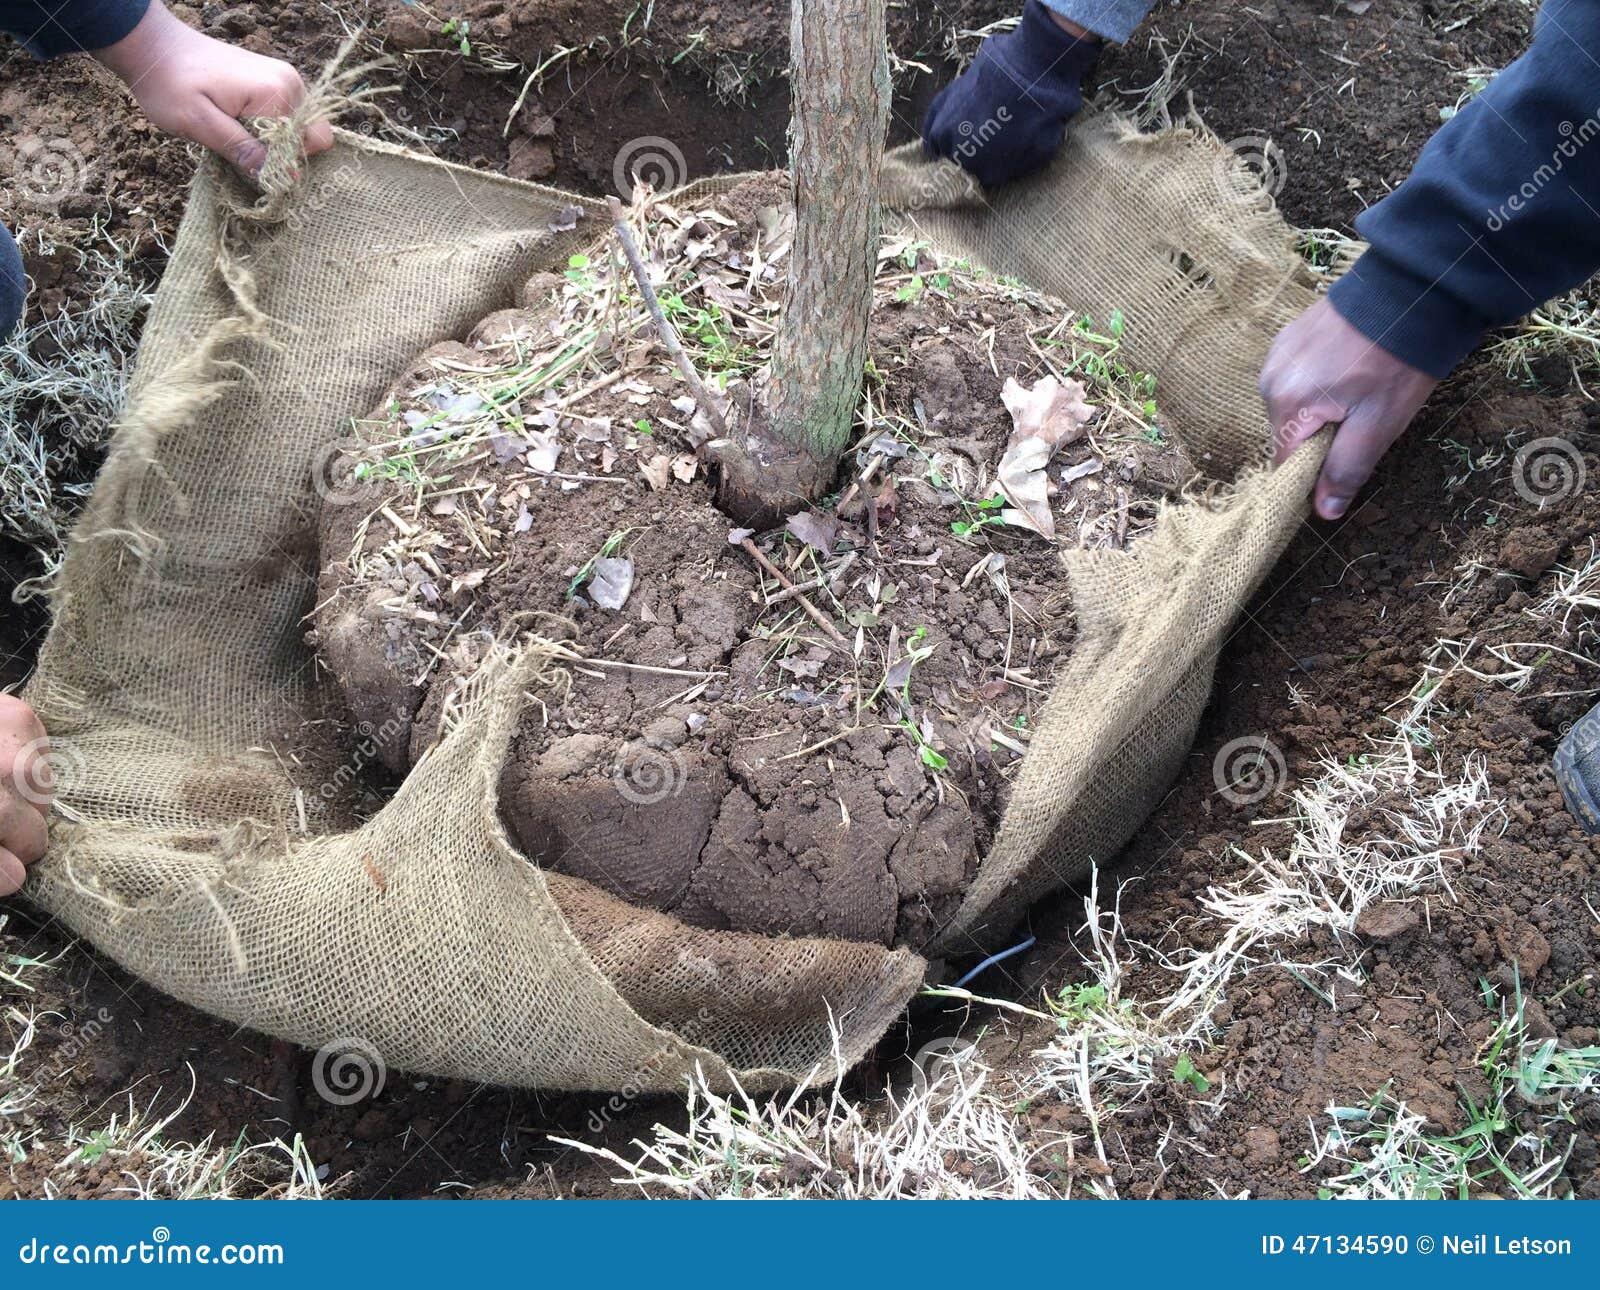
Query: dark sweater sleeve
(1502, 211)
(49, 28)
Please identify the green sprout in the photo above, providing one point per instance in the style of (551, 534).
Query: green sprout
(1183, 1070)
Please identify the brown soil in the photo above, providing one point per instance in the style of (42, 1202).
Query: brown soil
(1351, 614)
(759, 776)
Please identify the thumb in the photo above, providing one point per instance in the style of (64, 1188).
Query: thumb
(12, 874)
(213, 128)
(1357, 447)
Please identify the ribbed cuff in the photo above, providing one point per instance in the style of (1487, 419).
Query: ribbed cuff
(1413, 320)
(1108, 19)
(80, 26)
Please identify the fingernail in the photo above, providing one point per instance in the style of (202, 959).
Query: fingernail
(1334, 507)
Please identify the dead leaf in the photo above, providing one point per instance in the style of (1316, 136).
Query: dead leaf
(611, 581)
(1043, 418)
(1051, 410)
(684, 466)
(657, 471)
(1082, 469)
(544, 451)
(820, 532)
(524, 520)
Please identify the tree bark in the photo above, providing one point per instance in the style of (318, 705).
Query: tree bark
(786, 452)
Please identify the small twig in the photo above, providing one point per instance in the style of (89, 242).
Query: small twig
(789, 593)
(664, 329)
(868, 471)
(817, 616)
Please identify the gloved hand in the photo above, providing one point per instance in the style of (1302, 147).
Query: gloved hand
(1002, 118)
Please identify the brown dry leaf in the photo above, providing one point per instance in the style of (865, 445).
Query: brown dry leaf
(684, 465)
(817, 531)
(1043, 418)
(657, 471)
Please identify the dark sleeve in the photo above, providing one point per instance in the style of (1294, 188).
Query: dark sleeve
(49, 28)
(1502, 211)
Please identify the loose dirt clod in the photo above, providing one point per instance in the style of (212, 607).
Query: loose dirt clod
(808, 732)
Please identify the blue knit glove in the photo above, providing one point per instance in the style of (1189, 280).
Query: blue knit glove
(1002, 118)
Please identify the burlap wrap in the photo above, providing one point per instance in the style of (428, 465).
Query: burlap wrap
(211, 845)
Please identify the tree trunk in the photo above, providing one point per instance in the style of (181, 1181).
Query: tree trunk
(786, 452)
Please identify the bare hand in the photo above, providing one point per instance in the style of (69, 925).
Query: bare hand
(25, 791)
(1321, 370)
(198, 88)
